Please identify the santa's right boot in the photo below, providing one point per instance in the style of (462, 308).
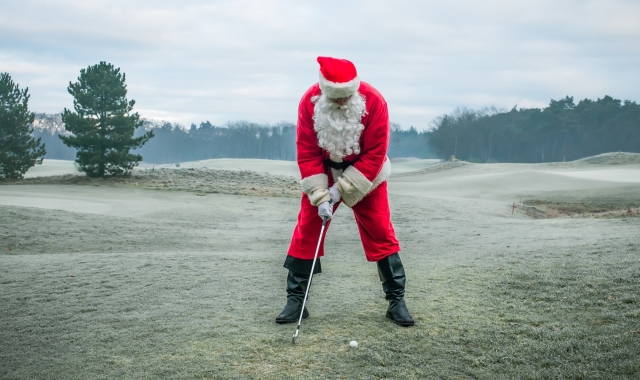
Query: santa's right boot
(296, 286)
(297, 282)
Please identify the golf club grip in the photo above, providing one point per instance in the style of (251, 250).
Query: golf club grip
(325, 219)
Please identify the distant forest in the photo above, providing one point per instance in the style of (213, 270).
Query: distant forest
(174, 144)
(563, 131)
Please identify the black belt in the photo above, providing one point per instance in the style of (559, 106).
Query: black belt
(338, 165)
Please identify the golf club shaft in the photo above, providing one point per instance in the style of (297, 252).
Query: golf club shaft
(306, 293)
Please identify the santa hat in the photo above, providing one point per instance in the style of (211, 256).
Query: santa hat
(338, 77)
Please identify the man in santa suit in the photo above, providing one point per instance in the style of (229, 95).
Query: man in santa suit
(342, 139)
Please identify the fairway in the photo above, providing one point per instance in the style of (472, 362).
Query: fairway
(121, 280)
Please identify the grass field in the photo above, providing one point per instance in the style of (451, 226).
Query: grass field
(148, 284)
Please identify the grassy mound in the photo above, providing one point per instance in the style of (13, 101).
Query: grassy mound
(434, 168)
(616, 158)
(202, 180)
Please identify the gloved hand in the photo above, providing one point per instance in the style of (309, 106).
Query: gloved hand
(334, 193)
(325, 209)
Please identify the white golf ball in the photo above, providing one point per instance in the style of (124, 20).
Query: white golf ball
(353, 344)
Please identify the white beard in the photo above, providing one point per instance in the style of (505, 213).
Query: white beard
(339, 128)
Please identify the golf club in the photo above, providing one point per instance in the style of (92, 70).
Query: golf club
(324, 223)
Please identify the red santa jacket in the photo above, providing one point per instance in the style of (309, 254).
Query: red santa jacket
(370, 167)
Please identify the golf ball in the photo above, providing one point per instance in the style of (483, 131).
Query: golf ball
(353, 344)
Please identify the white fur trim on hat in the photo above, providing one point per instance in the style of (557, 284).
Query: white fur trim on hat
(335, 90)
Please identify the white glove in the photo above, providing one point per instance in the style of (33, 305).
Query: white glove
(325, 210)
(334, 193)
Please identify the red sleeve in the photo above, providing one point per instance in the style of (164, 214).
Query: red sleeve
(310, 156)
(375, 138)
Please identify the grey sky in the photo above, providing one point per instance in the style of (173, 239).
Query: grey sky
(190, 61)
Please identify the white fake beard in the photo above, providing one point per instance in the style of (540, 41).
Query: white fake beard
(339, 127)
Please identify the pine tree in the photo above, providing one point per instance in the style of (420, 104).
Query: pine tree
(102, 124)
(19, 150)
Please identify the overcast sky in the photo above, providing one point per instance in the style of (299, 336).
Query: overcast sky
(190, 61)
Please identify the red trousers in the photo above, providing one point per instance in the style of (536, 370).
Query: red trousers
(373, 218)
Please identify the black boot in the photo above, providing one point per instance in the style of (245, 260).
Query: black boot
(393, 280)
(296, 286)
(297, 282)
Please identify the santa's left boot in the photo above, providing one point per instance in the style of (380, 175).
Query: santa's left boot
(393, 280)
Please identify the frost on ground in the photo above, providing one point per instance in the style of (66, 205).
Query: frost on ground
(135, 283)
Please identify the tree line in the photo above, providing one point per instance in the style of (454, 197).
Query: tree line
(107, 138)
(172, 143)
(562, 131)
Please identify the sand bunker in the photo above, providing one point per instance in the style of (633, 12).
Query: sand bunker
(543, 209)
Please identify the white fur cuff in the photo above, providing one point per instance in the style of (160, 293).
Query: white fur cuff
(357, 179)
(316, 187)
(313, 182)
(353, 185)
(319, 196)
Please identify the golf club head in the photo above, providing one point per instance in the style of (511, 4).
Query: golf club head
(295, 337)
